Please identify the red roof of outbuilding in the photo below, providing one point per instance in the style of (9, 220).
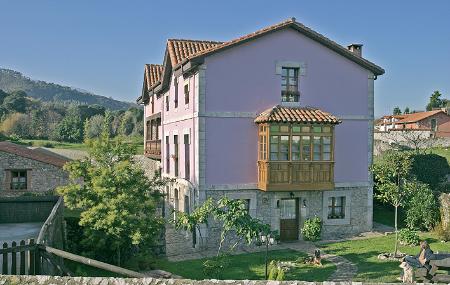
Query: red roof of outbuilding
(33, 154)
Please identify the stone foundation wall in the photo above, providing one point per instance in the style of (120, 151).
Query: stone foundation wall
(54, 280)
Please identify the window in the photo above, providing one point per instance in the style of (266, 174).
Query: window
(295, 143)
(288, 209)
(148, 130)
(289, 85)
(186, 93)
(262, 143)
(433, 125)
(167, 103)
(167, 155)
(187, 164)
(279, 148)
(153, 104)
(175, 84)
(175, 155)
(336, 208)
(186, 204)
(18, 180)
(176, 200)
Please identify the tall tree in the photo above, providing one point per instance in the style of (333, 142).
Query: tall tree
(435, 101)
(117, 200)
(397, 111)
(392, 178)
(406, 111)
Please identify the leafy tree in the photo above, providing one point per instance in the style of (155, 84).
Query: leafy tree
(397, 111)
(230, 214)
(406, 111)
(422, 209)
(435, 101)
(39, 124)
(3, 95)
(117, 200)
(93, 126)
(430, 168)
(16, 124)
(16, 102)
(392, 176)
(70, 129)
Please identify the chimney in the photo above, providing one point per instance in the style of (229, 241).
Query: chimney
(356, 49)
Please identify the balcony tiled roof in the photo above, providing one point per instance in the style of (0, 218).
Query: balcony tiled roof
(152, 74)
(34, 154)
(305, 115)
(180, 49)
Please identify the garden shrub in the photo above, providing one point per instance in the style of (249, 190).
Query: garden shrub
(214, 267)
(408, 237)
(422, 209)
(312, 229)
(442, 232)
(430, 168)
(280, 276)
(275, 271)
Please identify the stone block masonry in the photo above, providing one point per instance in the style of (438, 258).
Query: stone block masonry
(54, 280)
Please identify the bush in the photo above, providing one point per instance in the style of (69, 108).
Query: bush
(442, 232)
(422, 209)
(408, 237)
(213, 268)
(312, 229)
(275, 271)
(430, 169)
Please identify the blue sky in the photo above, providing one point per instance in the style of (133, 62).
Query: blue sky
(101, 46)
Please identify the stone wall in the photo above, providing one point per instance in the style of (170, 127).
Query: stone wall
(42, 177)
(54, 280)
(26, 209)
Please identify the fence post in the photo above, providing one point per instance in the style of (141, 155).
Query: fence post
(13, 259)
(5, 260)
(37, 261)
(22, 259)
(31, 258)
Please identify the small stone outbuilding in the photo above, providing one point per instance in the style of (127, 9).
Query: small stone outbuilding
(24, 170)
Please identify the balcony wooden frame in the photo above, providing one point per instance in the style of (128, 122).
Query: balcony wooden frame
(291, 175)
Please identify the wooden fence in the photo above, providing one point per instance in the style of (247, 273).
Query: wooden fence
(29, 258)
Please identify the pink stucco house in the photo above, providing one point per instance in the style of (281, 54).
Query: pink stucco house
(281, 118)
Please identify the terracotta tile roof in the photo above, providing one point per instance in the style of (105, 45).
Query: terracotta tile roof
(152, 74)
(181, 49)
(283, 114)
(302, 29)
(415, 117)
(33, 154)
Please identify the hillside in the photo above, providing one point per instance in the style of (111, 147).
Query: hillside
(11, 80)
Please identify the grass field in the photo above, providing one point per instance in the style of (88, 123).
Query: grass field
(138, 142)
(364, 254)
(251, 266)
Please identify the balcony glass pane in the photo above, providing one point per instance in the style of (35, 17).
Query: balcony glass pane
(296, 129)
(306, 148)
(317, 129)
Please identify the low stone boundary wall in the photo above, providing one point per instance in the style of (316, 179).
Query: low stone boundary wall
(26, 209)
(47, 280)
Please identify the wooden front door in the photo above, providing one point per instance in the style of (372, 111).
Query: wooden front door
(289, 219)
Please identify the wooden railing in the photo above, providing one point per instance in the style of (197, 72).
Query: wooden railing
(153, 149)
(35, 259)
(301, 175)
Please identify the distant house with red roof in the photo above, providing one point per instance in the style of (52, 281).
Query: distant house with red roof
(25, 170)
(436, 121)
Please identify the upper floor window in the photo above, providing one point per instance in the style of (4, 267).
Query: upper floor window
(289, 84)
(167, 103)
(186, 93)
(295, 143)
(175, 83)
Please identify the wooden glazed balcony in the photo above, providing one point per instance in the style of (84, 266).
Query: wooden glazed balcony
(290, 175)
(153, 149)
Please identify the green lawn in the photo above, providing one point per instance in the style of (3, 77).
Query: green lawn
(136, 141)
(251, 266)
(364, 254)
(445, 152)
